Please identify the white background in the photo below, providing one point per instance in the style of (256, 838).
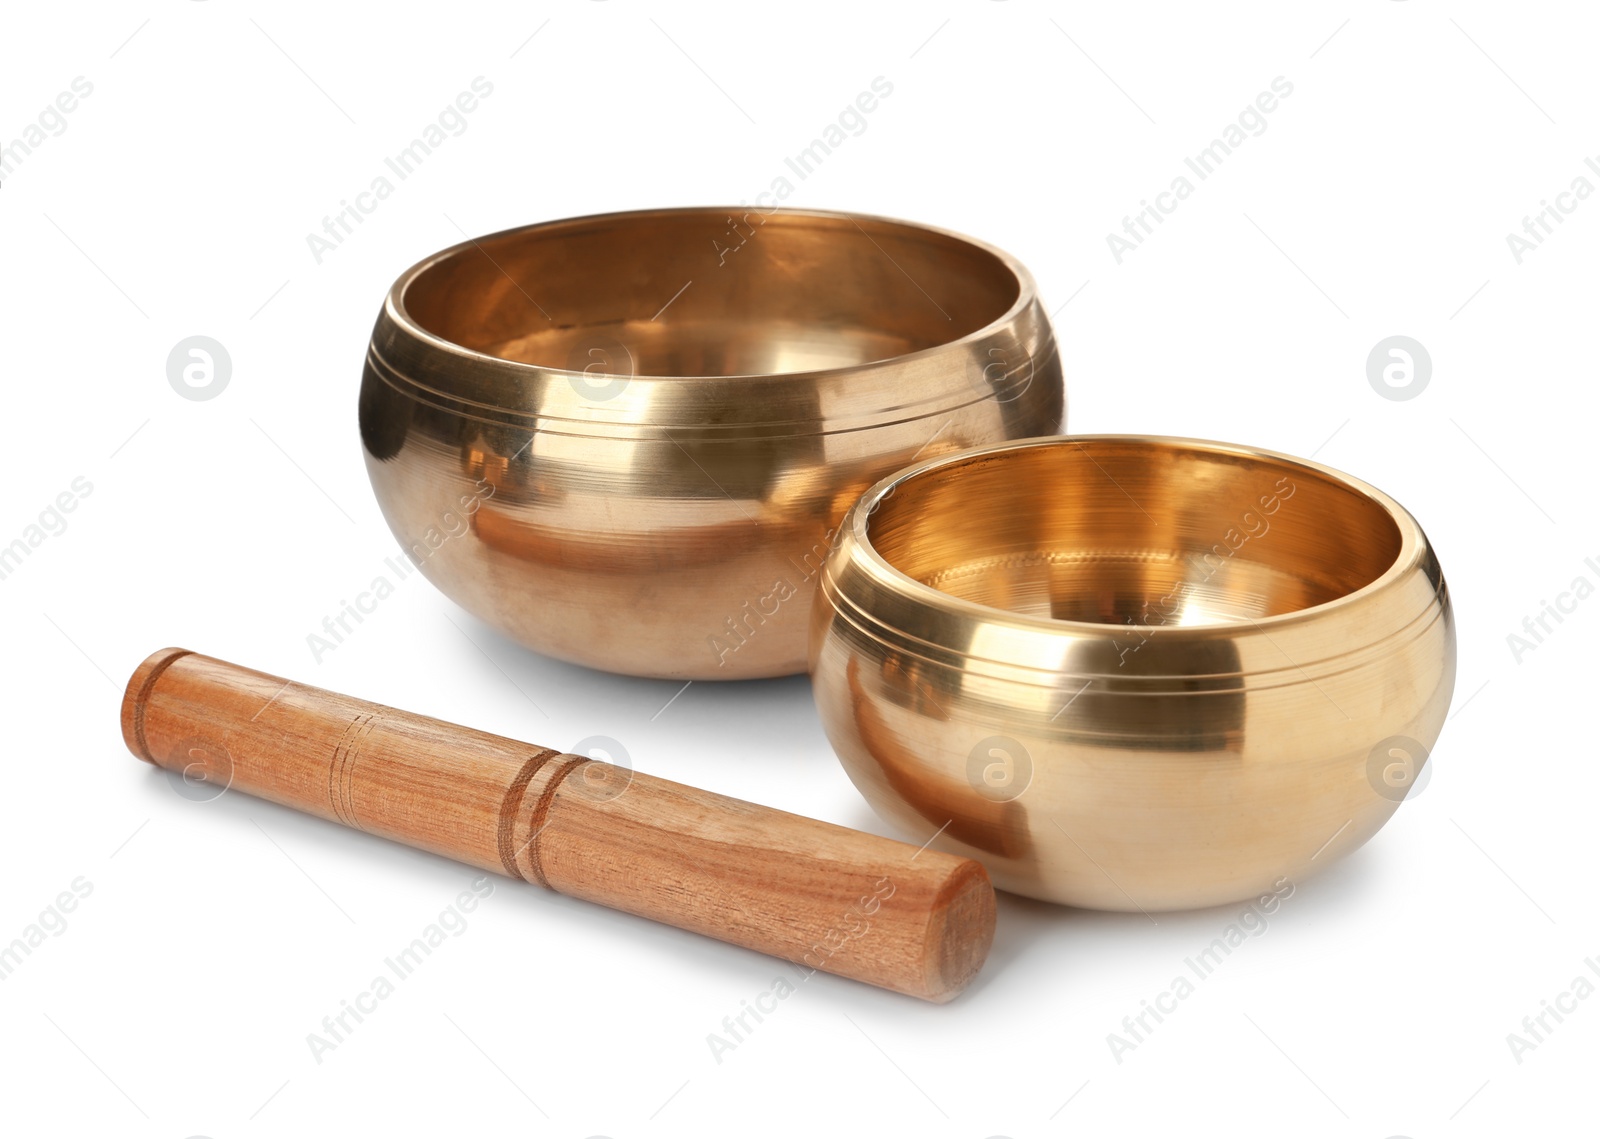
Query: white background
(218, 935)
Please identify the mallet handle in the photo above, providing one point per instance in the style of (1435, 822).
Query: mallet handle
(813, 893)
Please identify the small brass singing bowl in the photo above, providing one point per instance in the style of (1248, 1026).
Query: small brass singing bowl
(626, 440)
(1133, 673)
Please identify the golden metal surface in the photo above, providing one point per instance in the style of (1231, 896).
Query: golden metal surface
(625, 440)
(1133, 673)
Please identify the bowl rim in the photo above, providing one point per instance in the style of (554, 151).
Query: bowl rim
(1414, 546)
(394, 307)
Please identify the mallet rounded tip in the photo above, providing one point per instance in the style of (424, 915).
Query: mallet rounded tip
(138, 692)
(960, 931)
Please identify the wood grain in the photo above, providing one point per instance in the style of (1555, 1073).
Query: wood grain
(822, 896)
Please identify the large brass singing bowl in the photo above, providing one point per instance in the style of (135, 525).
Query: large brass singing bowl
(1133, 673)
(625, 440)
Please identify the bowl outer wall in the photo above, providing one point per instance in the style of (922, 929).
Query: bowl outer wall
(676, 531)
(1146, 788)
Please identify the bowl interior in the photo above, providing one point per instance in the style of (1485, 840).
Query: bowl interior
(711, 293)
(1134, 532)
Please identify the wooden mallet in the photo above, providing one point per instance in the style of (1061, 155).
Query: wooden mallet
(819, 895)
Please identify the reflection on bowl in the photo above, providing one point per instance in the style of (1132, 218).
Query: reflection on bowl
(1133, 673)
(657, 441)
